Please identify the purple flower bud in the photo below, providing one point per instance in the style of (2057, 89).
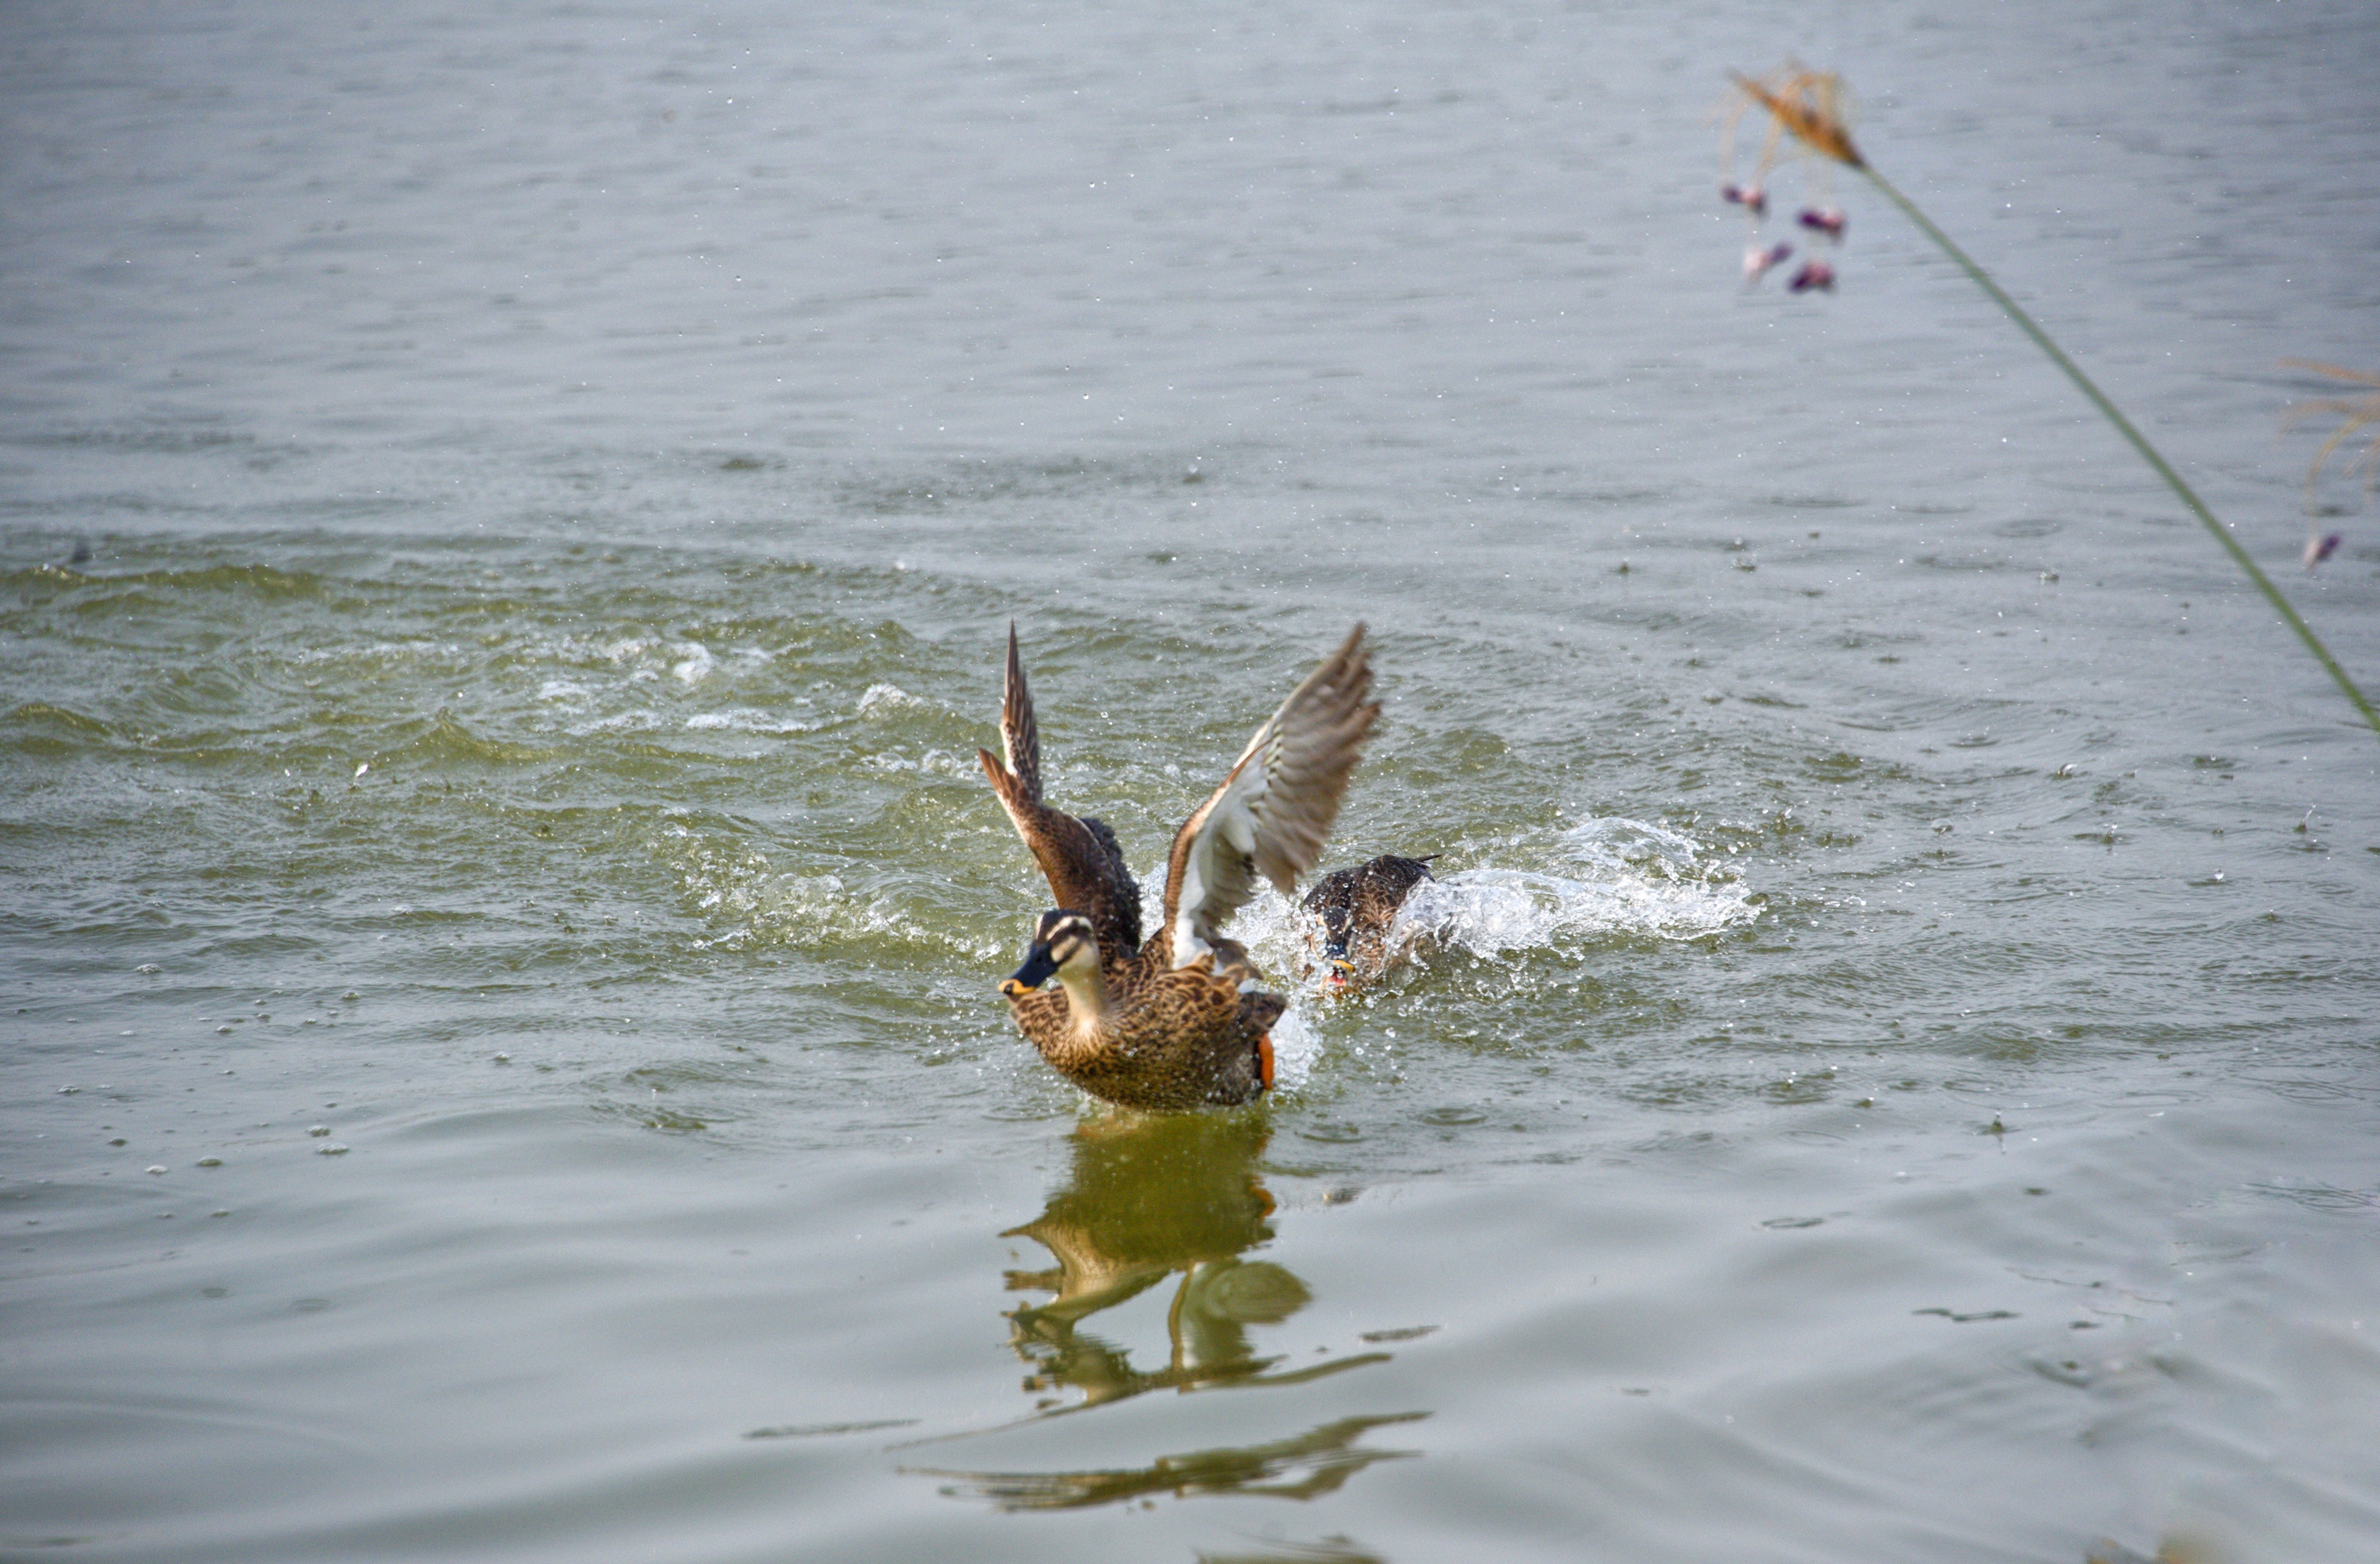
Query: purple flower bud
(1829, 221)
(1758, 261)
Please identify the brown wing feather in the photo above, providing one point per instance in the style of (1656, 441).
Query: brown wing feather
(1289, 781)
(1079, 857)
(1019, 735)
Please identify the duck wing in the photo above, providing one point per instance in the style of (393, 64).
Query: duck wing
(1274, 810)
(1079, 857)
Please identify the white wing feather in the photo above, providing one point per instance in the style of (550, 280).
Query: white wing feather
(1275, 810)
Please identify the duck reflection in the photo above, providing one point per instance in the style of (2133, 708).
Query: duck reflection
(1151, 1199)
(1307, 1466)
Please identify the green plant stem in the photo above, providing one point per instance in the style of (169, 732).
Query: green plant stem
(2124, 427)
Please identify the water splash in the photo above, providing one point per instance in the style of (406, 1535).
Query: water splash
(1294, 1050)
(882, 701)
(1637, 879)
(744, 719)
(819, 912)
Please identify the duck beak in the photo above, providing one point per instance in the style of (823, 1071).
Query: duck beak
(1038, 968)
(1341, 971)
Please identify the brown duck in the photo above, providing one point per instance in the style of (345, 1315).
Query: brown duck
(1356, 906)
(1167, 1025)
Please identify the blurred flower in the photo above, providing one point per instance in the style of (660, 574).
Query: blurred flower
(2321, 547)
(1827, 220)
(1810, 105)
(2356, 413)
(1752, 197)
(1759, 259)
(1812, 108)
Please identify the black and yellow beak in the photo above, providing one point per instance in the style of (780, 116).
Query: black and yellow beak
(1341, 971)
(1038, 968)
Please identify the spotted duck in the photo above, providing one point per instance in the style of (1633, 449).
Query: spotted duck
(1356, 907)
(1175, 1022)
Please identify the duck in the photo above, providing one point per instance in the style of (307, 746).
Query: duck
(1178, 1021)
(1356, 906)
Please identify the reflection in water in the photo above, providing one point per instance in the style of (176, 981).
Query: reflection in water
(1307, 1466)
(1329, 1550)
(1148, 1199)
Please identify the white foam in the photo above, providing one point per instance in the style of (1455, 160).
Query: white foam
(935, 760)
(883, 700)
(811, 911)
(695, 666)
(1294, 1050)
(1637, 879)
(744, 719)
(1642, 880)
(621, 723)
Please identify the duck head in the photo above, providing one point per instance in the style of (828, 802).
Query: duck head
(1338, 970)
(1063, 947)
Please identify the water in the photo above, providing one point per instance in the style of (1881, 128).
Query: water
(511, 521)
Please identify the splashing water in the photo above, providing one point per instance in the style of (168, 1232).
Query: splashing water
(1294, 1050)
(1643, 879)
(1638, 879)
(763, 906)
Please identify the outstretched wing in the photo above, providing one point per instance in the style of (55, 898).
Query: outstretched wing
(1273, 812)
(1080, 859)
(1020, 736)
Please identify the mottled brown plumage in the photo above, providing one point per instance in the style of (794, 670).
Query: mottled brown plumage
(1079, 857)
(1356, 906)
(1139, 1033)
(1164, 1025)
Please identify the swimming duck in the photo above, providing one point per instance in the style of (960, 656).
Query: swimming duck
(1356, 906)
(1175, 1022)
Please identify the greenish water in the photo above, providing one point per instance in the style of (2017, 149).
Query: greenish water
(505, 915)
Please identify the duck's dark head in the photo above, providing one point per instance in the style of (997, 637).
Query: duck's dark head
(1063, 943)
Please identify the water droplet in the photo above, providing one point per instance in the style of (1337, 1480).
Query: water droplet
(154, 1168)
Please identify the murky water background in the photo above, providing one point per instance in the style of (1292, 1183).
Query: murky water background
(511, 517)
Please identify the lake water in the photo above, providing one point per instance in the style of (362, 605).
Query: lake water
(511, 517)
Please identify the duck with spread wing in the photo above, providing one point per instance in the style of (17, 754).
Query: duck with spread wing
(1176, 1021)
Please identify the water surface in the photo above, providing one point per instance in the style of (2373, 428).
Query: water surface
(511, 517)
